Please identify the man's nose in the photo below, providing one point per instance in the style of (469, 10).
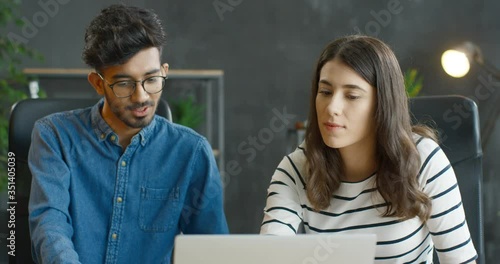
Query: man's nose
(140, 94)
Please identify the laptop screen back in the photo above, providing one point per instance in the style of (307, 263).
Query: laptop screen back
(265, 249)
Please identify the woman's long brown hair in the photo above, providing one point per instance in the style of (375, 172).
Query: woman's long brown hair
(397, 156)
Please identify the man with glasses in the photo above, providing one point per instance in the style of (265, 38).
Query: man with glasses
(115, 183)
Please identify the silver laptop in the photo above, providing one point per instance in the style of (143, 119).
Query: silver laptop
(265, 249)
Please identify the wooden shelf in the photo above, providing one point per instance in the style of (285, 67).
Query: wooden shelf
(58, 72)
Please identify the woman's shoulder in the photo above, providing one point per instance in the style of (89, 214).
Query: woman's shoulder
(295, 160)
(299, 154)
(432, 157)
(424, 145)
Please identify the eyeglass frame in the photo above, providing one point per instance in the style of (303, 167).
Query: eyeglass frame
(135, 84)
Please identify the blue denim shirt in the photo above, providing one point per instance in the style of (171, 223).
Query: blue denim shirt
(92, 202)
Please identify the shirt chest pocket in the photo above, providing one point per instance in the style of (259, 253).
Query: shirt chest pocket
(159, 209)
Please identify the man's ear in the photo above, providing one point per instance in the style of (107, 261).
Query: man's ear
(165, 68)
(96, 82)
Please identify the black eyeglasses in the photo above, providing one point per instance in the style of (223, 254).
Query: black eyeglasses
(124, 89)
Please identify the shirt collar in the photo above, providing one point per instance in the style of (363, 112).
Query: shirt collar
(102, 129)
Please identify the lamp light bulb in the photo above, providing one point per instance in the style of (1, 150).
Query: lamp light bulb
(455, 63)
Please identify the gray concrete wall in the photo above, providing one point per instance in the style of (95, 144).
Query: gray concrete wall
(267, 50)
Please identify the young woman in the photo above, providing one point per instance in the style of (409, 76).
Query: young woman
(363, 168)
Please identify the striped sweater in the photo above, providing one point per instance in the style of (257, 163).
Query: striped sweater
(357, 208)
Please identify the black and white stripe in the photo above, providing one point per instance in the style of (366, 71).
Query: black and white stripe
(357, 208)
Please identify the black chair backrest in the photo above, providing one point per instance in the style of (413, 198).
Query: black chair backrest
(22, 118)
(457, 121)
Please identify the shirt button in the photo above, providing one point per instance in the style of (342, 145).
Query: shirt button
(114, 236)
(103, 136)
(113, 137)
(119, 199)
(124, 164)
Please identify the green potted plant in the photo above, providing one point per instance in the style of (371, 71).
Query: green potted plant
(12, 79)
(413, 82)
(186, 112)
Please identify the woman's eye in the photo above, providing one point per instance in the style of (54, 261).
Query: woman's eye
(324, 92)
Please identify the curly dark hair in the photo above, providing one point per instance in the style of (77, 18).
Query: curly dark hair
(118, 33)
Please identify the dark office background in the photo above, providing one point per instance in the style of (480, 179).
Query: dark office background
(267, 50)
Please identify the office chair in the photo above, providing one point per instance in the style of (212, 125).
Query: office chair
(22, 118)
(457, 121)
